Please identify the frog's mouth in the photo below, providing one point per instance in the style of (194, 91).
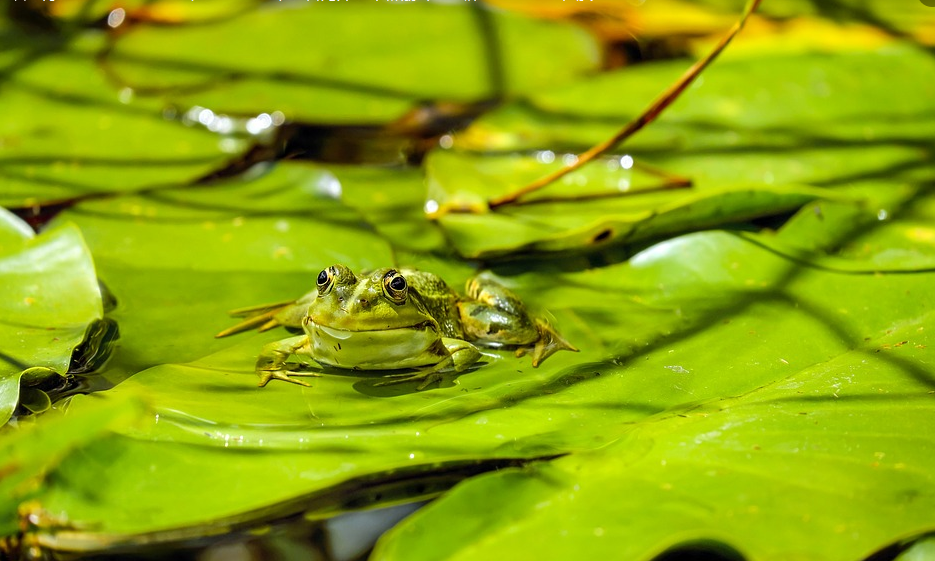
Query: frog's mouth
(341, 334)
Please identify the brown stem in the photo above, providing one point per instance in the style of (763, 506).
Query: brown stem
(648, 116)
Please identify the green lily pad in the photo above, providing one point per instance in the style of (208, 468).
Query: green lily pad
(789, 454)
(729, 133)
(610, 210)
(51, 296)
(347, 73)
(30, 453)
(213, 248)
(69, 133)
(160, 10)
(679, 306)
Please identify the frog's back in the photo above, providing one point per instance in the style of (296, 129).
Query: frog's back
(439, 300)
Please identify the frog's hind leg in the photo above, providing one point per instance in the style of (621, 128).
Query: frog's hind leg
(497, 316)
(270, 364)
(263, 320)
(267, 316)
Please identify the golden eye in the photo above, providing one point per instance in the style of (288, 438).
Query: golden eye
(395, 286)
(325, 278)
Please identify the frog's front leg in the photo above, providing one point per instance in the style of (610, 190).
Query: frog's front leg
(453, 354)
(272, 359)
(495, 315)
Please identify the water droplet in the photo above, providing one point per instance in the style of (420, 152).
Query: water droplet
(116, 17)
(328, 185)
(229, 145)
(259, 123)
(626, 162)
(125, 95)
(205, 116)
(545, 156)
(446, 141)
(222, 124)
(569, 159)
(431, 207)
(882, 214)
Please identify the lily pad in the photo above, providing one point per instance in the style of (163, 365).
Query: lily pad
(680, 304)
(614, 205)
(795, 453)
(728, 133)
(69, 133)
(346, 73)
(51, 296)
(213, 248)
(30, 453)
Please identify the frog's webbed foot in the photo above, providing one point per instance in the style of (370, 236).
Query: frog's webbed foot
(284, 375)
(548, 343)
(271, 363)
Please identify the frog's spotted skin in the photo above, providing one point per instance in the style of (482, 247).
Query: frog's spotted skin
(390, 319)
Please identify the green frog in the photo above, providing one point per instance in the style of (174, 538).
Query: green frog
(390, 319)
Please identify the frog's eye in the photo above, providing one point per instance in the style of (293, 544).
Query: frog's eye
(324, 281)
(395, 286)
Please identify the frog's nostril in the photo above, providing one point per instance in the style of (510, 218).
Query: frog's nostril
(364, 303)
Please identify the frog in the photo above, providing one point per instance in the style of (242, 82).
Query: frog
(396, 319)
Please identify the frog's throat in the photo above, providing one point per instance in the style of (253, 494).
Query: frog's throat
(377, 349)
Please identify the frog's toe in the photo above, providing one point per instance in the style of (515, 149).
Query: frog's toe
(284, 375)
(549, 343)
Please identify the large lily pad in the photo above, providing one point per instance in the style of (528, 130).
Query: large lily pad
(346, 73)
(729, 134)
(29, 454)
(51, 296)
(661, 355)
(213, 248)
(69, 133)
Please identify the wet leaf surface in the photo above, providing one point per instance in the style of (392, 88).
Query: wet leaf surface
(50, 294)
(762, 385)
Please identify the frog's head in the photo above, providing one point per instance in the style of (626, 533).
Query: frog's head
(380, 300)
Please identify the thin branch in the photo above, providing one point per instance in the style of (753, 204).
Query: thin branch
(648, 116)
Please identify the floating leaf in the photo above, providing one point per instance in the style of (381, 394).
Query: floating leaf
(30, 453)
(348, 74)
(51, 295)
(744, 151)
(772, 450)
(67, 133)
(607, 212)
